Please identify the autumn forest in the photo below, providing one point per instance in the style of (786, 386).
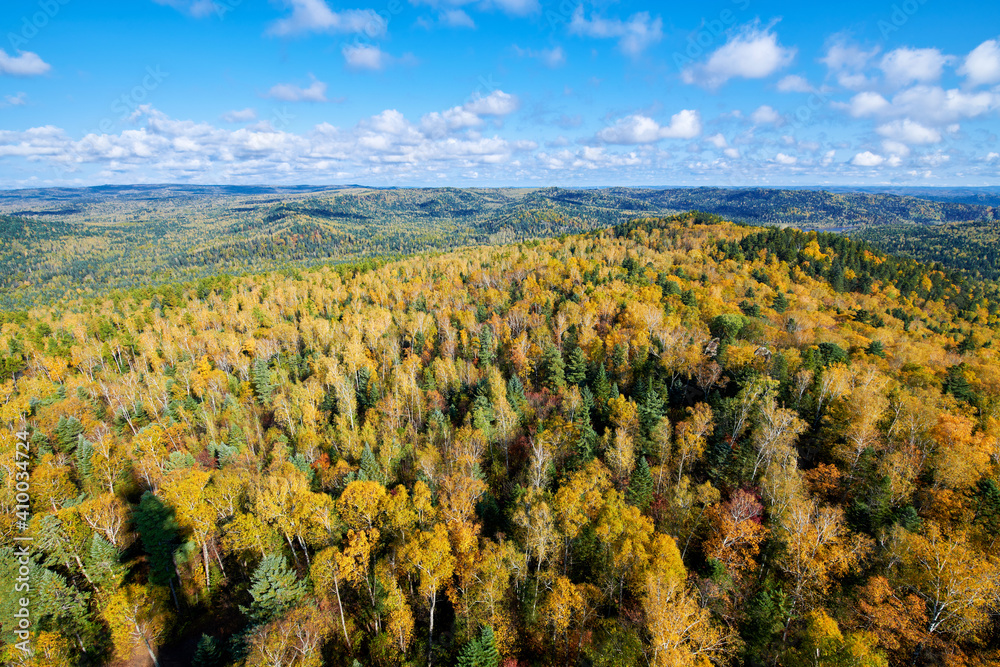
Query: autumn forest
(675, 441)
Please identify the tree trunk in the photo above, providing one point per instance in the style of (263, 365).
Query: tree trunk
(430, 637)
(340, 608)
(204, 557)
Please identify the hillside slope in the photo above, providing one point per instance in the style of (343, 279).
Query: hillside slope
(673, 442)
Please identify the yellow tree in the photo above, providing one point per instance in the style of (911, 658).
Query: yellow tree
(429, 555)
(184, 490)
(958, 582)
(682, 633)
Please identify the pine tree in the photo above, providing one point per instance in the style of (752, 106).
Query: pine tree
(274, 588)
(487, 349)
(208, 653)
(158, 533)
(640, 487)
(260, 378)
(84, 452)
(552, 369)
(576, 366)
(67, 432)
(602, 388)
(780, 304)
(480, 652)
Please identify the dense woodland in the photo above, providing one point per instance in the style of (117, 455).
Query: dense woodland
(972, 247)
(673, 442)
(57, 244)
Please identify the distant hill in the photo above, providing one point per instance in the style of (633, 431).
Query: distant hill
(65, 240)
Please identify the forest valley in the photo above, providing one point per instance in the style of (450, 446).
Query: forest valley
(673, 442)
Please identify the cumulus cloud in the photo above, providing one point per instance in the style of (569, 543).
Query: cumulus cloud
(717, 140)
(908, 132)
(289, 92)
(241, 115)
(982, 65)
(25, 63)
(765, 115)
(846, 62)
(371, 57)
(905, 66)
(867, 104)
(456, 18)
(753, 53)
(553, 57)
(793, 83)
(639, 129)
(634, 36)
(781, 158)
(316, 16)
(867, 159)
(497, 103)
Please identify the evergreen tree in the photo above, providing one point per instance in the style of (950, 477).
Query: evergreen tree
(780, 304)
(640, 487)
(602, 388)
(158, 533)
(487, 348)
(576, 366)
(67, 432)
(208, 653)
(552, 370)
(84, 452)
(480, 652)
(260, 378)
(274, 588)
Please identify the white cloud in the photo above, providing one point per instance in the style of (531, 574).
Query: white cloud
(905, 66)
(867, 159)
(639, 129)
(982, 65)
(25, 63)
(289, 92)
(753, 53)
(241, 115)
(895, 148)
(867, 104)
(934, 104)
(316, 16)
(765, 115)
(846, 61)
(18, 100)
(366, 56)
(793, 83)
(553, 57)
(717, 140)
(634, 36)
(781, 158)
(457, 18)
(909, 132)
(497, 103)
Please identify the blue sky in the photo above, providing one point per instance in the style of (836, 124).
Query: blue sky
(499, 92)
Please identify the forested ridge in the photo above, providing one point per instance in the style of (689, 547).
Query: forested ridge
(61, 243)
(676, 441)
